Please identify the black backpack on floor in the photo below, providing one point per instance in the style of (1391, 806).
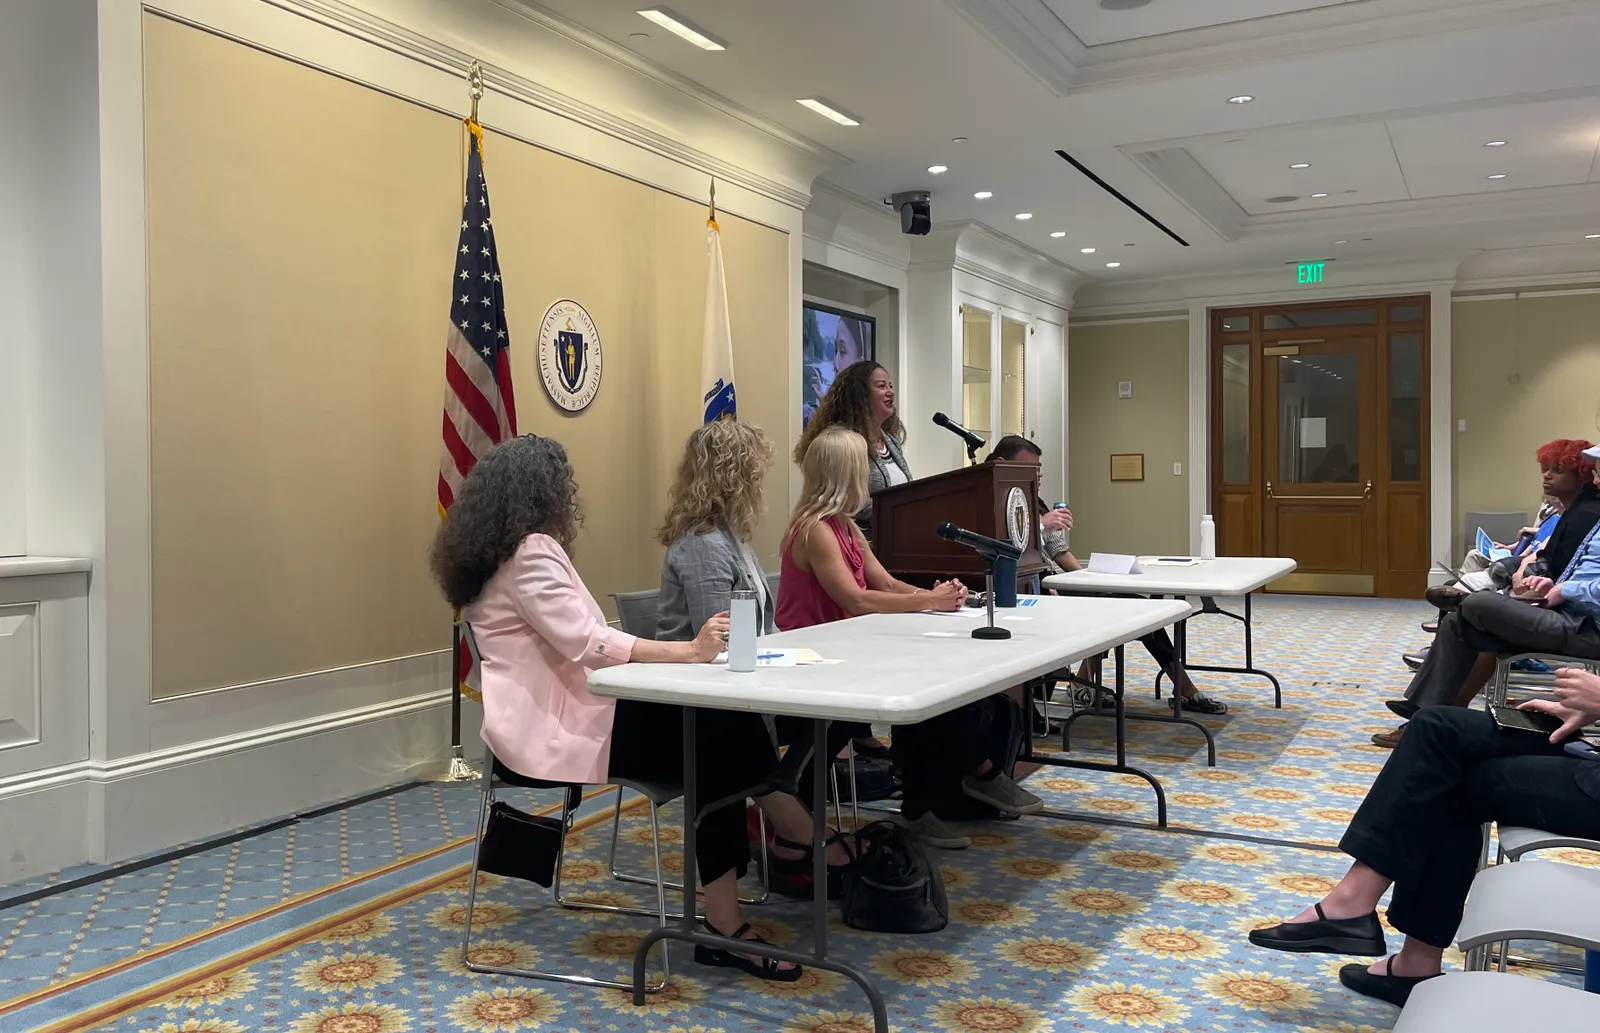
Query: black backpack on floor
(893, 887)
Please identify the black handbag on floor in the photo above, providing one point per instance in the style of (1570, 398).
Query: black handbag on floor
(893, 887)
(519, 845)
(877, 778)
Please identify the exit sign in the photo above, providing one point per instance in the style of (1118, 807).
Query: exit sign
(1309, 272)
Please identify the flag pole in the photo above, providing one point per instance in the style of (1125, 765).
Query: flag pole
(459, 770)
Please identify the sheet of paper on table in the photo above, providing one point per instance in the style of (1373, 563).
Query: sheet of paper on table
(780, 658)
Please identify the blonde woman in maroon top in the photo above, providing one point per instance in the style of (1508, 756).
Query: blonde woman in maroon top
(829, 573)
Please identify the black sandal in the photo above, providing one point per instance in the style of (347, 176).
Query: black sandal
(760, 967)
(793, 872)
(1387, 987)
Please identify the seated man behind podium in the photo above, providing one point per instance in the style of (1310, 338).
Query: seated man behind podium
(829, 574)
(712, 511)
(1552, 614)
(502, 559)
(1053, 527)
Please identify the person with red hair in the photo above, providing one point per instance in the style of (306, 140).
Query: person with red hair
(1537, 618)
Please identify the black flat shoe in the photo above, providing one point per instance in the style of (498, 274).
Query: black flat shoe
(1403, 708)
(761, 968)
(1394, 989)
(1361, 936)
(1431, 627)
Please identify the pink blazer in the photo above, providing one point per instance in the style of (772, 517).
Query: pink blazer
(540, 633)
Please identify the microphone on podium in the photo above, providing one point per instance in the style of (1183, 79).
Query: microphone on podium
(987, 547)
(974, 442)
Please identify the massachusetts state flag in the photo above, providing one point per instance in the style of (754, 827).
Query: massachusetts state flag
(716, 354)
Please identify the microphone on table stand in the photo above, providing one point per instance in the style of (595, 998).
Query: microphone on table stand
(973, 441)
(990, 549)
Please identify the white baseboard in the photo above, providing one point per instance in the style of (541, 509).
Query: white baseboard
(110, 812)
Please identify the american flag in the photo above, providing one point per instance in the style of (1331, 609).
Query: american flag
(479, 410)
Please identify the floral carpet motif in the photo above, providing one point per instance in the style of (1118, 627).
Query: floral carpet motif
(1094, 923)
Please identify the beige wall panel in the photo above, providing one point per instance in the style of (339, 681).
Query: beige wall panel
(1550, 346)
(301, 230)
(1149, 516)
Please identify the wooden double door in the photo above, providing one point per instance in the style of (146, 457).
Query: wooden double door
(1319, 441)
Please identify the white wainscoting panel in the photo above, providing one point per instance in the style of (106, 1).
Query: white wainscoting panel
(19, 675)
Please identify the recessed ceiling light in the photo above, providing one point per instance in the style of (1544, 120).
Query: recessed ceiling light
(958, 139)
(1063, 233)
(936, 169)
(1121, 5)
(984, 195)
(1301, 165)
(679, 26)
(1113, 265)
(639, 35)
(1498, 175)
(1087, 250)
(1243, 98)
(1341, 242)
(1591, 236)
(827, 110)
(1319, 195)
(1495, 143)
(1024, 215)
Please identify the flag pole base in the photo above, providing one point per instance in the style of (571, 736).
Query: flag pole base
(459, 770)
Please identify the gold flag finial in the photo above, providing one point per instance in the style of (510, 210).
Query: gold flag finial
(474, 86)
(711, 220)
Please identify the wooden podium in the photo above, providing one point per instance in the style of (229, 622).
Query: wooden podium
(990, 499)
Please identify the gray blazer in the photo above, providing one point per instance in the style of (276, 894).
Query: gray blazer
(878, 478)
(698, 578)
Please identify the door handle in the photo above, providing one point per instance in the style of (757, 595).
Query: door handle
(1366, 493)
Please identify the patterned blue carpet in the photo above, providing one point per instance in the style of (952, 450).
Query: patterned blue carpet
(350, 922)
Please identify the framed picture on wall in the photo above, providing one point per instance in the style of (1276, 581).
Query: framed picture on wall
(833, 339)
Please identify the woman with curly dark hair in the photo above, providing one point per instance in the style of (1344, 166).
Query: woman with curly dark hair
(862, 399)
(502, 558)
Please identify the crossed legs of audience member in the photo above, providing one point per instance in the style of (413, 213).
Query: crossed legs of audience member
(1463, 654)
(1419, 830)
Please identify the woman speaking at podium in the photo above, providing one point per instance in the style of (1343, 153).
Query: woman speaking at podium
(862, 399)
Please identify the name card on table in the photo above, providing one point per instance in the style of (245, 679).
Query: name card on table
(1114, 563)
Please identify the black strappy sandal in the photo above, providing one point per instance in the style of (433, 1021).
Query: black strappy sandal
(1387, 987)
(760, 967)
(793, 873)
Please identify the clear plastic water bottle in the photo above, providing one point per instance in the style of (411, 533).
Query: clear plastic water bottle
(742, 630)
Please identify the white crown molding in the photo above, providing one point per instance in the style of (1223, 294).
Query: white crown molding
(1266, 286)
(984, 252)
(1041, 43)
(806, 157)
(839, 219)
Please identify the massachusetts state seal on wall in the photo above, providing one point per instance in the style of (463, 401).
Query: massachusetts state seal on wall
(1019, 521)
(569, 356)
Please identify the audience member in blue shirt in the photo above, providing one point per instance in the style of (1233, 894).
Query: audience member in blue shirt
(1549, 616)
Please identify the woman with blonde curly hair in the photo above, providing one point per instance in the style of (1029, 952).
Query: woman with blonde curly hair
(712, 511)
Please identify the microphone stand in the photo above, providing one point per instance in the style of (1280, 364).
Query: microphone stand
(990, 632)
(972, 453)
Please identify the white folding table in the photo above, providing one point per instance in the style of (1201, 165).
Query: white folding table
(893, 669)
(1205, 579)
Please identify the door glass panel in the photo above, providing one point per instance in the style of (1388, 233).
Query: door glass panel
(1013, 374)
(976, 331)
(1235, 324)
(1236, 413)
(1319, 419)
(1319, 317)
(1405, 407)
(1405, 314)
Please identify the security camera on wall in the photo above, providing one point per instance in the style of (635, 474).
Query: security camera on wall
(916, 211)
